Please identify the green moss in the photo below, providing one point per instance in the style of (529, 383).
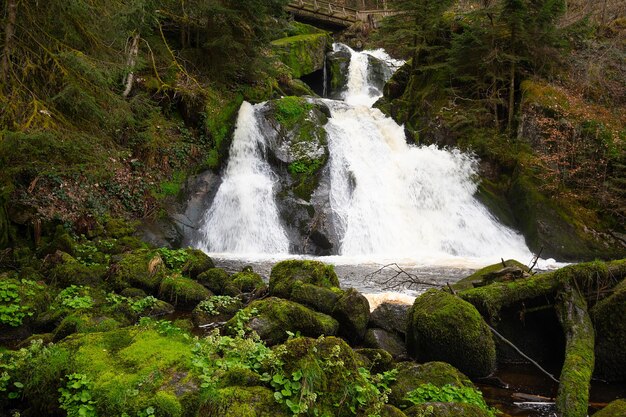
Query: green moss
(574, 382)
(352, 311)
(197, 263)
(446, 328)
(411, 375)
(219, 282)
(21, 300)
(248, 281)
(286, 273)
(304, 54)
(318, 298)
(85, 323)
(142, 269)
(182, 292)
(71, 272)
(616, 408)
(467, 283)
(242, 402)
(220, 113)
(291, 110)
(274, 317)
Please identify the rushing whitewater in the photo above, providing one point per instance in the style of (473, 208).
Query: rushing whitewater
(243, 217)
(388, 200)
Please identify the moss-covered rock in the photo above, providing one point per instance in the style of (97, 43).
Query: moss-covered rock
(240, 401)
(86, 323)
(274, 317)
(197, 263)
(338, 62)
(616, 408)
(485, 273)
(446, 328)
(248, 281)
(304, 54)
(286, 273)
(609, 319)
(68, 271)
(376, 360)
(446, 410)
(182, 292)
(391, 411)
(141, 268)
(352, 311)
(318, 298)
(411, 375)
(219, 282)
(215, 309)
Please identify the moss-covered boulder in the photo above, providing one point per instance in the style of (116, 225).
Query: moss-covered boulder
(273, 317)
(352, 311)
(411, 375)
(616, 408)
(338, 64)
(141, 269)
(21, 301)
(318, 298)
(390, 342)
(219, 282)
(609, 320)
(182, 292)
(446, 410)
(85, 322)
(304, 54)
(285, 274)
(68, 271)
(391, 316)
(243, 402)
(376, 360)
(248, 281)
(197, 263)
(391, 411)
(488, 274)
(446, 328)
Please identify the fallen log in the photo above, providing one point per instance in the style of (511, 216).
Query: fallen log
(593, 278)
(573, 394)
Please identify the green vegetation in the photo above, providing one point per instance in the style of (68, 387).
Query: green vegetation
(449, 394)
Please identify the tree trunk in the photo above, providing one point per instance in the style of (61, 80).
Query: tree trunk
(509, 126)
(132, 60)
(9, 32)
(573, 396)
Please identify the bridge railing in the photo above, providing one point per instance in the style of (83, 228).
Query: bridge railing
(325, 8)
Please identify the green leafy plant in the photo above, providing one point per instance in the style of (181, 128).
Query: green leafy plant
(75, 297)
(449, 393)
(213, 304)
(173, 258)
(76, 397)
(12, 310)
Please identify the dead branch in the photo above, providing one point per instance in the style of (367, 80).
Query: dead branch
(400, 279)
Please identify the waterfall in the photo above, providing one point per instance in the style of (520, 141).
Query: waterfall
(388, 200)
(243, 217)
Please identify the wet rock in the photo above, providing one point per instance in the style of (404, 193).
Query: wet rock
(338, 64)
(390, 342)
(304, 54)
(352, 311)
(391, 316)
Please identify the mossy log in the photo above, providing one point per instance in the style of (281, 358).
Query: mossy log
(573, 395)
(592, 276)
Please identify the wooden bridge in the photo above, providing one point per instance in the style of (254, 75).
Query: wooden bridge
(335, 13)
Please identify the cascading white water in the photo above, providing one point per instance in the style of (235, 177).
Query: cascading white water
(243, 217)
(389, 200)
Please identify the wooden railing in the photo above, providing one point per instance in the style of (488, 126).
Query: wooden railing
(333, 12)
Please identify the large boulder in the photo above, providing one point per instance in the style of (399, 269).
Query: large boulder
(338, 65)
(273, 317)
(197, 262)
(411, 375)
(140, 269)
(286, 274)
(242, 402)
(318, 298)
(303, 54)
(443, 327)
(609, 318)
(219, 282)
(352, 311)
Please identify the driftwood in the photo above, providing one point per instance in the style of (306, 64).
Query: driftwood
(573, 395)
